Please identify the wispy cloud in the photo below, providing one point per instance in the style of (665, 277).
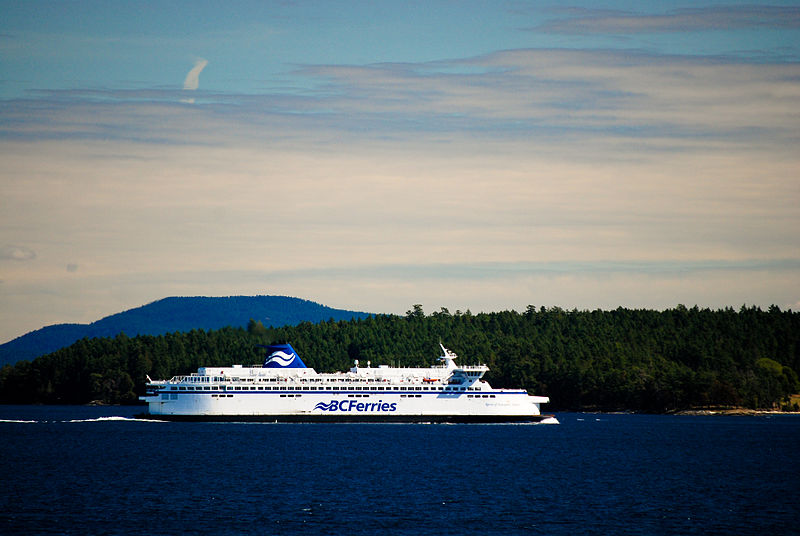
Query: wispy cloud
(16, 253)
(597, 21)
(192, 81)
(544, 95)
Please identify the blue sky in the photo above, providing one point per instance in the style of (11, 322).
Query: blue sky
(373, 155)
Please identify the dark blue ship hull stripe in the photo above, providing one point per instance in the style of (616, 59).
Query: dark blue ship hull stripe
(348, 417)
(248, 392)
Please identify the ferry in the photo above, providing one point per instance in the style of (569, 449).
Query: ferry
(283, 389)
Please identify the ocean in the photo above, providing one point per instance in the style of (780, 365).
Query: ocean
(95, 470)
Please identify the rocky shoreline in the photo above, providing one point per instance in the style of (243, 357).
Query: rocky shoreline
(733, 411)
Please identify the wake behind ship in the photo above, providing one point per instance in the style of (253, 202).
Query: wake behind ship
(283, 389)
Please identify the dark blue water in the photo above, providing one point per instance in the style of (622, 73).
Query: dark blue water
(592, 474)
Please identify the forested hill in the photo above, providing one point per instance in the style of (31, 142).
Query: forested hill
(621, 359)
(175, 314)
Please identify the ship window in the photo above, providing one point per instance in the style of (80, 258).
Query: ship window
(164, 396)
(418, 388)
(173, 396)
(491, 396)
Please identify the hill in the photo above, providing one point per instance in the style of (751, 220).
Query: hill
(176, 314)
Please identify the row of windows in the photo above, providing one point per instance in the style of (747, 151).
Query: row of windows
(274, 380)
(306, 388)
(174, 396)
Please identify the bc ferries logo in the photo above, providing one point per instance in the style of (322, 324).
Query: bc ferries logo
(355, 405)
(282, 356)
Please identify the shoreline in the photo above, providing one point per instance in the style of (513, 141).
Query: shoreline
(745, 412)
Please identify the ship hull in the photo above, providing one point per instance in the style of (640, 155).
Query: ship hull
(329, 406)
(318, 418)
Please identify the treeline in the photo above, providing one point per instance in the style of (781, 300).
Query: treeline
(622, 359)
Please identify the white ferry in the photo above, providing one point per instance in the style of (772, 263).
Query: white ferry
(283, 389)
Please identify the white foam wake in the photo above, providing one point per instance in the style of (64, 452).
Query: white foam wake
(103, 419)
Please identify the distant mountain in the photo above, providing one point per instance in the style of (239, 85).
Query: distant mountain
(175, 314)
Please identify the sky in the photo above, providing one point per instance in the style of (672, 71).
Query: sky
(473, 155)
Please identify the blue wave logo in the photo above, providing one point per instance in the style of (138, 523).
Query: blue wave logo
(282, 356)
(325, 407)
(281, 359)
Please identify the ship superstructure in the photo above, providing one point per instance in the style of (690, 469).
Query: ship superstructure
(283, 389)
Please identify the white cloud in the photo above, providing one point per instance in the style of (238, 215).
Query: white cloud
(192, 80)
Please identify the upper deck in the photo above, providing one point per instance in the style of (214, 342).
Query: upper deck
(438, 377)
